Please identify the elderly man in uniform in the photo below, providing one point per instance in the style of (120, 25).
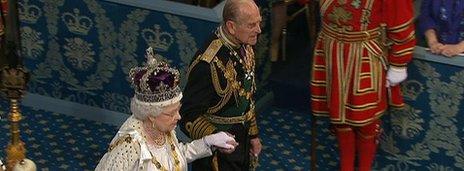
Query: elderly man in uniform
(219, 95)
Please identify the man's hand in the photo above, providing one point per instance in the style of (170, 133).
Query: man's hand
(255, 147)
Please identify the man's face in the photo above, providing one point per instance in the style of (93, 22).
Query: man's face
(247, 28)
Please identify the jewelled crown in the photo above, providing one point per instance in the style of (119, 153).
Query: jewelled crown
(156, 82)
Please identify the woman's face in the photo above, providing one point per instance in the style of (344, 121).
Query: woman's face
(166, 121)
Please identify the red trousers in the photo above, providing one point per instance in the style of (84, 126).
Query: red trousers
(357, 140)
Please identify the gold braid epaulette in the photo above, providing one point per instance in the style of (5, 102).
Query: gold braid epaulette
(208, 55)
(211, 51)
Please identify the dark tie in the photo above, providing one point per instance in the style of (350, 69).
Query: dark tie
(242, 51)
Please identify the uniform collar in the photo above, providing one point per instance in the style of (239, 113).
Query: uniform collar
(227, 38)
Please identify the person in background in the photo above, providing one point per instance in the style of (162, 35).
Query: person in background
(442, 23)
(147, 140)
(278, 22)
(220, 89)
(360, 57)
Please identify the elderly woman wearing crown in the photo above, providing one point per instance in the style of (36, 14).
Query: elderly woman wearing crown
(147, 140)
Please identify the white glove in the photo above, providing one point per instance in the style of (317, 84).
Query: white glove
(219, 139)
(396, 76)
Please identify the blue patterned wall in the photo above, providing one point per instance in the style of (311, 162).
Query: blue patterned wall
(81, 51)
(427, 135)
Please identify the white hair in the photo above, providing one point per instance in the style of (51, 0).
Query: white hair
(142, 110)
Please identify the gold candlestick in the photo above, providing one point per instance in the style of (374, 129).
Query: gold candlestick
(13, 84)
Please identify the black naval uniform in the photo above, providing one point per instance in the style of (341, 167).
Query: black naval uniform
(219, 97)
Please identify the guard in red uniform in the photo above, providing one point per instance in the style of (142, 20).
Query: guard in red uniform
(359, 60)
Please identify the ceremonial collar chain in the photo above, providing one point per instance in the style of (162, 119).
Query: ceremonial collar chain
(245, 59)
(174, 156)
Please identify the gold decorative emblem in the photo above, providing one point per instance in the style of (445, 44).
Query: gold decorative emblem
(76, 23)
(230, 74)
(54, 65)
(13, 82)
(14, 78)
(160, 41)
(356, 4)
(411, 89)
(32, 44)
(407, 122)
(28, 13)
(340, 16)
(79, 53)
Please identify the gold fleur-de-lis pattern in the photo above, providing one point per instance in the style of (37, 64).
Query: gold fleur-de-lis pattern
(79, 53)
(33, 44)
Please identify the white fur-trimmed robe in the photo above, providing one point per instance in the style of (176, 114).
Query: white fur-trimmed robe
(135, 154)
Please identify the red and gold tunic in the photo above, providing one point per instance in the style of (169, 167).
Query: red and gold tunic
(358, 42)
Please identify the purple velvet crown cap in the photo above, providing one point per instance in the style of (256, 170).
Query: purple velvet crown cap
(156, 81)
